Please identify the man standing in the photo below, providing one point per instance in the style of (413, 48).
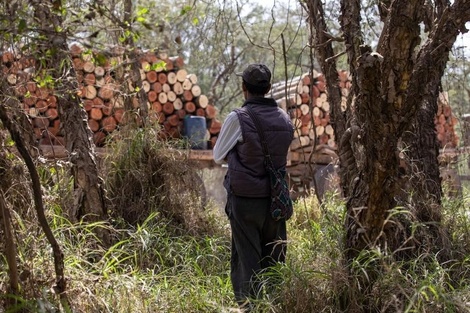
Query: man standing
(258, 241)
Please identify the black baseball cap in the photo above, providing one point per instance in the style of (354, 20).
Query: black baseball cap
(257, 75)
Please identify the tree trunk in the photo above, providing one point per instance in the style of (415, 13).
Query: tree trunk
(393, 96)
(88, 191)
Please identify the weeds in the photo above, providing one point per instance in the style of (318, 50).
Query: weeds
(172, 255)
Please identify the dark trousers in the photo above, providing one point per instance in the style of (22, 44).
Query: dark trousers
(258, 242)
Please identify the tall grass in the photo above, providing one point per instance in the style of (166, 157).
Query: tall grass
(171, 254)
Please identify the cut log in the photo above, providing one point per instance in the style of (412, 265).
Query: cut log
(168, 108)
(178, 62)
(300, 142)
(87, 104)
(42, 93)
(52, 101)
(99, 71)
(305, 109)
(307, 79)
(329, 130)
(196, 90)
(320, 130)
(305, 98)
(151, 76)
(162, 97)
(187, 95)
(96, 114)
(316, 111)
(117, 102)
(187, 85)
(173, 120)
(31, 87)
(52, 114)
(146, 85)
(12, 79)
(100, 82)
(314, 91)
(118, 114)
(94, 125)
(181, 114)
(77, 64)
(107, 108)
(306, 120)
(200, 112)
(171, 96)
(41, 106)
(178, 88)
(210, 111)
(166, 87)
(107, 91)
(192, 78)
(202, 101)
(190, 107)
(305, 130)
(8, 57)
(171, 78)
(213, 141)
(157, 87)
(162, 78)
(178, 104)
(99, 138)
(89, 92)
(152, 96)
(156, 107)
(181, 75)
(89, 79)
(88, 67)
(109, 124)
(30, 101)
(53, 130)
(215, 126)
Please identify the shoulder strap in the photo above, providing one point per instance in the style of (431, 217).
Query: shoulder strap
(257, 123)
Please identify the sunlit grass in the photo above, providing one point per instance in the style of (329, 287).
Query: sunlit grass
(167, 262)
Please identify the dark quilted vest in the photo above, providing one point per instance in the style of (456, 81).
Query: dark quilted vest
(246, 174)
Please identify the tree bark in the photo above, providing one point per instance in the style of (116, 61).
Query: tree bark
(384, 112)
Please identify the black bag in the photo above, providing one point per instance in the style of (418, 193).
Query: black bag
(281, 202)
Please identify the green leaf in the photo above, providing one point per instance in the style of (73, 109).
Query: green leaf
(195, 21)
(185, 10)
(100, 59)
(161, 65)
(22, 25)
(142, 11)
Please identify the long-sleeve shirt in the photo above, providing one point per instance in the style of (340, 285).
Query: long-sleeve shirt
(229, 135)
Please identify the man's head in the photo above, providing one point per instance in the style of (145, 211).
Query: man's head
(256, 79)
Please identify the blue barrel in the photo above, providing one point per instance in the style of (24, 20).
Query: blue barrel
(195, 130)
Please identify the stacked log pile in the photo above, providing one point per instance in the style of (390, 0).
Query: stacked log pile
(305, 99)
(172, 94)
(445, 123)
